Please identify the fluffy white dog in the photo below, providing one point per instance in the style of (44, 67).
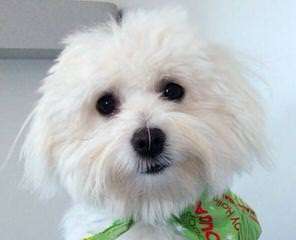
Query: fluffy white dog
(137, 119)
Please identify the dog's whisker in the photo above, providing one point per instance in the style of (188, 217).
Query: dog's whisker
(149, 138)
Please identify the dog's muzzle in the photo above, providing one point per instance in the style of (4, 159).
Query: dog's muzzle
(149, 144)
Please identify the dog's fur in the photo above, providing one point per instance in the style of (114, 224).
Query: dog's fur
(212, 134)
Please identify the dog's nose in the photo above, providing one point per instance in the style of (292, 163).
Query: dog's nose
(148, 142)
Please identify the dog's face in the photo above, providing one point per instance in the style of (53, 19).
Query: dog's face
(142, 116)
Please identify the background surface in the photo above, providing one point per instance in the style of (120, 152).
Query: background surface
(264, 29)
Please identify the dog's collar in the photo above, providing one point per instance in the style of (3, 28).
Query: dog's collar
(118, 228)
(226, 218)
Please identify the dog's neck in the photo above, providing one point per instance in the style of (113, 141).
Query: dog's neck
(146, 209)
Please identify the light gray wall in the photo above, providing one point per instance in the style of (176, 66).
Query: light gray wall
(34, 28)
(22, 215)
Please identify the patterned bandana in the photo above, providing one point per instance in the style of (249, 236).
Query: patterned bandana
(225, 218)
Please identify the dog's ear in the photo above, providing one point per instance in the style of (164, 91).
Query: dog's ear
(241, 122)
(49, 124)
(37, 153)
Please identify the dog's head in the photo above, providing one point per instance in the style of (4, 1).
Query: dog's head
(142, 116)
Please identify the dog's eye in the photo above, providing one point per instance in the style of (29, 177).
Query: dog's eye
(107, 104)
(173, 91)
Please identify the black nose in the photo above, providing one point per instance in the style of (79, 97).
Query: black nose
(148, 142)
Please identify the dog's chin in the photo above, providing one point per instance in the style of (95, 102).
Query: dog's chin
(151, 193)
(155, 195)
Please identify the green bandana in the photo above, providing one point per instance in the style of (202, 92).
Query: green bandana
(114, 231)
(225, 218)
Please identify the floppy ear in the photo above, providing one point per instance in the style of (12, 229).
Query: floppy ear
(244, 98)
(240, 119)
(50, 119)
(44, 128)
(37, 153)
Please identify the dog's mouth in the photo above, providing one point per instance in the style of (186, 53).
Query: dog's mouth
(156, 169)
(154, 166)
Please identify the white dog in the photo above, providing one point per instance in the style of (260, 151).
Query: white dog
(137, 119)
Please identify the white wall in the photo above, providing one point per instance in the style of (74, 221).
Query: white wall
(264, 29)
